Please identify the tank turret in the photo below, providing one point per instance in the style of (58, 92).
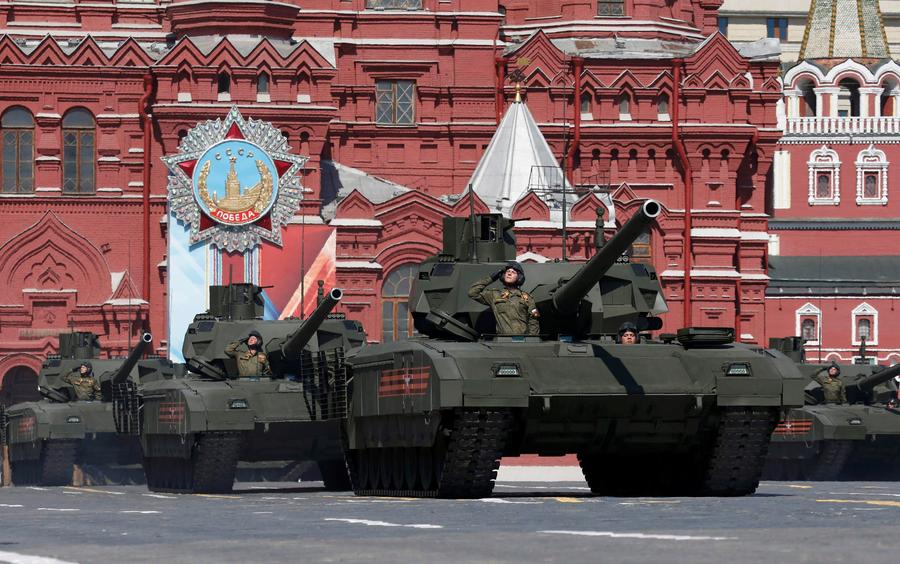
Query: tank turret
(579, 299)
(864, 385)
(236, 310)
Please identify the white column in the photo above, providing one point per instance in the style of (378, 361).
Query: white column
(866, 96)
(792, 105)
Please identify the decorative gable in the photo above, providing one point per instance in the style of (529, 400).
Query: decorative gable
(355, 206)
(531, 207)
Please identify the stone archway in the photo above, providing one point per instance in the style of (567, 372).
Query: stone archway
(19, 384)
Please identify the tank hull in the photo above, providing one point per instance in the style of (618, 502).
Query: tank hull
(600, 400)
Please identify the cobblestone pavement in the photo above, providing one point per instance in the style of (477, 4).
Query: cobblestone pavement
(521, 522)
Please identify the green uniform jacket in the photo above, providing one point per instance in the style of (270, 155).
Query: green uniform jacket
(515, 311)
(249, 364)
(86, 387)
(833, 388)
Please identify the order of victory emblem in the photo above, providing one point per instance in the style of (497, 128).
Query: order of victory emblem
(234, 182)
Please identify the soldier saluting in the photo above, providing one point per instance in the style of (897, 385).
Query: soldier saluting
(252, 362)
(832, 387)
(515, 311)
(82, 379)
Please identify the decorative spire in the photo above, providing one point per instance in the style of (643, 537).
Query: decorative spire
(518, 92)
(844, 29)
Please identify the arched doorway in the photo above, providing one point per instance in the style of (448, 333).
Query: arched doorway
(19, 384)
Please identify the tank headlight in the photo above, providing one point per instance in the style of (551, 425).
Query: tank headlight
(738, 369)
(507, 370)
(73, 419)
(238, 404)
(855, 421)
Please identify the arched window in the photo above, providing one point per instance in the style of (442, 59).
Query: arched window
(808, 330)
(184, 86)
(587, 110)
(871, 177)
(848, 98)
(865, 324)
(662, 107)
(824, 177)
(78, 131)
(223, 86)
(807, 99)
(262, 88)
(18, 151)
(864, 329)
(19, 384)
(396, 321)
(625, 107)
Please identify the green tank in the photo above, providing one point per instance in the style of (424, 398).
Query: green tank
(46, 439)
(194, 431)
(857, 440)
(432, 416)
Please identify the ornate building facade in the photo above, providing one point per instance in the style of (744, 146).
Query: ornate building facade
(834, 269)
(394, 102)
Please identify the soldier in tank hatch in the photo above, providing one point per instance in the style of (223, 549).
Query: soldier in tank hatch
(829, 378)
(82, 379)
(628, 333)
(515, 310)
(252, 362)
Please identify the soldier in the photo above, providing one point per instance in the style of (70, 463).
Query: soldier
(831, 384)
(82, 379)
(515, 311)
(253, 363)
(628, 333)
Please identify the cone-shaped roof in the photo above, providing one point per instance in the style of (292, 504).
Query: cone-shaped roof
(517, 160)
(844, 29)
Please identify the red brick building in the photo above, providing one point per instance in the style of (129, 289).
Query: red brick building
(395, 102)
(834, 265)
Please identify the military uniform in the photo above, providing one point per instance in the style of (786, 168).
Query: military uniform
(833, 388)
(515, 310)
(250, 364)
(86, 387)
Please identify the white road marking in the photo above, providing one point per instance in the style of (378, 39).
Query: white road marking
(158, 496)
(498, 500)
(643, 536)
(55, 509)
(373, 500)
(262, 512)
(37, 488)
(72, 493)
(384, 523)
(555, 488)
(862, 493)
(139, 512)
(8, 505)
(91, 490)
(16, 558)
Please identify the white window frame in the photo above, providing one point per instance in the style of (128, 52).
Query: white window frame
(808, 310)
(824, 159)
(872, 160)
(864, 310)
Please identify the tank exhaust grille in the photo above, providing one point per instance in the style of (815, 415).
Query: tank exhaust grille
(127, 403)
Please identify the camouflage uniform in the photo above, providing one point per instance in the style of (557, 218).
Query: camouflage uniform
(86, 387)
(250, 364)
(514, 310)
(833, 388)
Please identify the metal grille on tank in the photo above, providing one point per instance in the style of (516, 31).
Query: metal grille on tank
(324, 378)
(127, 408)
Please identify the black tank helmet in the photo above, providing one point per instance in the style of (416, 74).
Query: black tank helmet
(259, 337)
(836, 367)
(518, 268)
(88, 365)
(628, 326)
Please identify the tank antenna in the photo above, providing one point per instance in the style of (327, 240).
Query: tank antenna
(472, 222)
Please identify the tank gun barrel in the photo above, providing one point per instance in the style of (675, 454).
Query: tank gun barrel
(867, 383)
(570, 293)
(290, 347)
(120, 374)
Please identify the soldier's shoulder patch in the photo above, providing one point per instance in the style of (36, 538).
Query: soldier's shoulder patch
(525, 296)
(504, 294)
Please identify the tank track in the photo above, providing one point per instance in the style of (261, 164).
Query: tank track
(727, 464)
(739, 451)
(334, 475)
(210, 469)
(462, 465)
(53, 468)
(829, 464)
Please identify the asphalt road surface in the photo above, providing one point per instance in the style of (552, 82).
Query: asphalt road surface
(523, 522)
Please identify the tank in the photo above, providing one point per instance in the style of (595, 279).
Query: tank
(194, 431)
(49, 438)
(690, 413)
(858, 440)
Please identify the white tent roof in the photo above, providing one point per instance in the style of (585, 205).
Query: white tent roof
(518, 160)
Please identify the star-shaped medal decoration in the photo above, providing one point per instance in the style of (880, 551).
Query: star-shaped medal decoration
(234, 182)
